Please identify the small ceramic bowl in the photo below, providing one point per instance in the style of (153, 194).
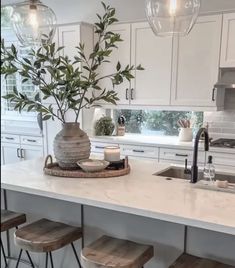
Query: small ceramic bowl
(91, 165)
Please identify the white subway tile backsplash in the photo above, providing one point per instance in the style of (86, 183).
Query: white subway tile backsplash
(222, 124)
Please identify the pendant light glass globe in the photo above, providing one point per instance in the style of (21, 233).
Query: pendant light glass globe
(31, 20)
(172, 17)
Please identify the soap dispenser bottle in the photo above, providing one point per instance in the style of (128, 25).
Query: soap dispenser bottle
(209, 170)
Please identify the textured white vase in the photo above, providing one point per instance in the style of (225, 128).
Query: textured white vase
(71, 144)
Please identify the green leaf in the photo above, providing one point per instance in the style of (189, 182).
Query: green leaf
(118, 67)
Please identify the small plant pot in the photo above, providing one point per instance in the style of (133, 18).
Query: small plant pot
(186, 134)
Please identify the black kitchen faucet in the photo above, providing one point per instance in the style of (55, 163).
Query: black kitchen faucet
(194, 168)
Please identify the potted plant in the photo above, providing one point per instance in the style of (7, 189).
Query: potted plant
(71, 82)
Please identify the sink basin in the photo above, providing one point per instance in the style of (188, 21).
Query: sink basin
(178, 173)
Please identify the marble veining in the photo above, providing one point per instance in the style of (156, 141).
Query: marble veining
(140, 193)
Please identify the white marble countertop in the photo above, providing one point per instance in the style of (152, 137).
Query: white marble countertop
(157, 141)
(138, 193)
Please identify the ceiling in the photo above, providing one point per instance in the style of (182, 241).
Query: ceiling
(85, 10)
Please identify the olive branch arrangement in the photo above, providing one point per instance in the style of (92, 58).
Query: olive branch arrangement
(73, 83)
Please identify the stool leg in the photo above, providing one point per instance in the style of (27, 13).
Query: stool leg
(4, 254)
(76, 255)
(18, 261)
(30, 260)
(46, 265)
(51, 260)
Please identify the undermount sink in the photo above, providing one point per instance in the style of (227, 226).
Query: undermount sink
(178, 173)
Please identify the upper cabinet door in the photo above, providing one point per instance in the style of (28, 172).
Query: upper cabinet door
(151, 86)
(196, 59)
(121, 54)
(228, 41)
(69, 37)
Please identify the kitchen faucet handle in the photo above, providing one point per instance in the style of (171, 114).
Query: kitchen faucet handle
(186, 170)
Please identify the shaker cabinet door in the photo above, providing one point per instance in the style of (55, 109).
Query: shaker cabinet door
(121, 54)
(151, 86)
(196, 59)
(10, 153)
(228, 41)
(31, 152)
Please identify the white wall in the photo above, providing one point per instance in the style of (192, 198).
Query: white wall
(85, 10)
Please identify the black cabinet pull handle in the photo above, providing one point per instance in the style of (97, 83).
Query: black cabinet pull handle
(213, 94)
(183, 155)
(9, 138)
(132, 95)
(127, 90)
(138, 151)
(31, 140)
(18, 152)
(99, 147)
(21, 153)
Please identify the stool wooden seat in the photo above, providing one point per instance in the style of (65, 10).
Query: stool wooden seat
(46, 235)
(186, 261)
(10, 219)
(107, 252)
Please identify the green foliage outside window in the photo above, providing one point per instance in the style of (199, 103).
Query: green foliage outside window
(157, 122)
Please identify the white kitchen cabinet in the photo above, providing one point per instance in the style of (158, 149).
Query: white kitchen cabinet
(29, 152)
(196, 61)
(228, 41)
(121, 54)
(178, 156)
(139, 151)
(10, 153)
(151, 86)
(15, 148)
(222, 159)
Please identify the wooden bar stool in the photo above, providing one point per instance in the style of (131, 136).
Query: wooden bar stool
(9, 220)
(107, 252)
(186, 261)
(45, 236)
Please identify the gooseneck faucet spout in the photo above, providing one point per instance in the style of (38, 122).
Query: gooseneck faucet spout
(194, 168)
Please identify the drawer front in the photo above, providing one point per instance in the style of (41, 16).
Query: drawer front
(223, 159)
(98, 147)
(139, 151)
(29, 140)
(179, 156)
(10, 138)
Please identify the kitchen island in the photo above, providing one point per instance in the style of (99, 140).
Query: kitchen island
(140, 193)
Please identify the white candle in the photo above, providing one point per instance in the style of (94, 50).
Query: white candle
(112, 153)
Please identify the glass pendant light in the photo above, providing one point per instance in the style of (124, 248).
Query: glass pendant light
(172, 17)
(31, 20)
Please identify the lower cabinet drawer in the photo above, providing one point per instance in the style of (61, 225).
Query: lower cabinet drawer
(179, 156)
(10, 138)
(222, 159)
(29, 140)
(98, 147)
(139, 151)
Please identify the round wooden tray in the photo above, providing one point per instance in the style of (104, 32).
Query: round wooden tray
(53, 169)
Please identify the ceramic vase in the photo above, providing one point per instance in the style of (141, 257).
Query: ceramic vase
(186, 134)
(71, 144)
